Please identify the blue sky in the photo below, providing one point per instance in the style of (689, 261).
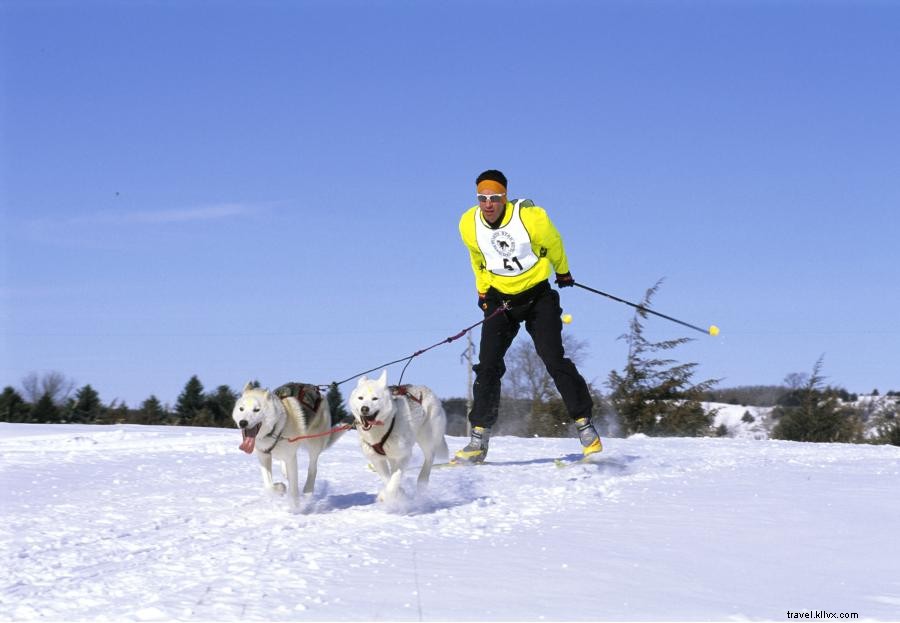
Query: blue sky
(271, 190)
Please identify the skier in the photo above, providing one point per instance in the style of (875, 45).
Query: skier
(514, 248)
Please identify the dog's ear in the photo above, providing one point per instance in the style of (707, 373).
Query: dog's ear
(248, 386)
(382, 380)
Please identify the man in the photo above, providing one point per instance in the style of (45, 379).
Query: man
(514, 249)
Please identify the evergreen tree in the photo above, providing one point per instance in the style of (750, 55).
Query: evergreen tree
(116, 413)
(220, 405)
(893, 435)
(45, 411)
(655, 396)
(549, 419)
(336, 404)
(190, 401)
(812, 414)
(152, 412)
(204, 417)
(13, 407)
(87, 407)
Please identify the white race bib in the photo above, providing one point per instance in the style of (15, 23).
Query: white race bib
(507, 250)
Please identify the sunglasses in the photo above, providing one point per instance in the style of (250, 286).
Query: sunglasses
(490, 198)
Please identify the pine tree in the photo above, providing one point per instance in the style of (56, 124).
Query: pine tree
(45, 411)
(655, 396)
(116, 413)
(204, 417)
(190, 401)
(13, 407)
(220, 405)
(336, 404)
(811, 413)
(893, 435)
(549, 419)
(87, 407)
(152, 412)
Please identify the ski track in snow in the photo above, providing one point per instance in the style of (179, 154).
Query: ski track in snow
(107, 523)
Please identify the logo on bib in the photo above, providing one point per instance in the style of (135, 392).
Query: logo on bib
(503, 243)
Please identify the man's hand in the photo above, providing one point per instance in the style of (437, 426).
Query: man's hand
(565, 280)
(482, 301)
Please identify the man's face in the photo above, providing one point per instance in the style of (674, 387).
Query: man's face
(491, 204)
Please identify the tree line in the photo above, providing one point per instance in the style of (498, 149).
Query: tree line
(53, 400)
(652, 394)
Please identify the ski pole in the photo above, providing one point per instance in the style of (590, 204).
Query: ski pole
(713, 329)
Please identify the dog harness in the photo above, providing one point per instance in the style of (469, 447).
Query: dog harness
(309, 398)
(277, 437)
(403, 390)
(396, 390)
(379, 447)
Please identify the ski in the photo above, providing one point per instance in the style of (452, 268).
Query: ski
(458, 464)
(573, 460)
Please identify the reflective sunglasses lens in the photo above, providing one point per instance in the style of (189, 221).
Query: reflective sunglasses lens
(491, 198)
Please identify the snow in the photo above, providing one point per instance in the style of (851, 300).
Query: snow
(144, 523)
(874, 411)
(732, 417)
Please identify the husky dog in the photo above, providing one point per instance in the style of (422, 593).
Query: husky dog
(390, 420)
(269, 421)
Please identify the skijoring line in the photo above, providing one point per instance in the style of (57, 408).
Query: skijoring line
(504, 307)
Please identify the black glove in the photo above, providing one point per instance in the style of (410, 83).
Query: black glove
(564, 280)
(482, 301)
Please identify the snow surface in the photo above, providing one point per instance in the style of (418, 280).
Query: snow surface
(732, 417)
(144, 523)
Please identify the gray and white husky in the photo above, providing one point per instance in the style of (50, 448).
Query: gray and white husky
(390, 420)
(269, 423)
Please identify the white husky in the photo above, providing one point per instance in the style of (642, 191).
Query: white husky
(390, 420)
(271, 425)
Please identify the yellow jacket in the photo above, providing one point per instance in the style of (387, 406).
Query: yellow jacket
(545, 242)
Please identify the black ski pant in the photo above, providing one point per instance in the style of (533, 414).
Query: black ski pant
(539, 309)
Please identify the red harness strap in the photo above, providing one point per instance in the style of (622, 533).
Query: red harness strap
(379, 447)
(403, 390)
(334, 430)
(396, 390)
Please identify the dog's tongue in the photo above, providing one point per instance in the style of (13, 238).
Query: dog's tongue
(248, 444)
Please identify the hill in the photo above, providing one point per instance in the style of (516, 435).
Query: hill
(756, 422)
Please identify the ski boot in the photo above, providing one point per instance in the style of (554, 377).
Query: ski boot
(477, 449)
(590, 440)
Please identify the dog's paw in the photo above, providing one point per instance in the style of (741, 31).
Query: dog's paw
(398, 503)
(279, 487)
(305, 505)
(390, 497)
